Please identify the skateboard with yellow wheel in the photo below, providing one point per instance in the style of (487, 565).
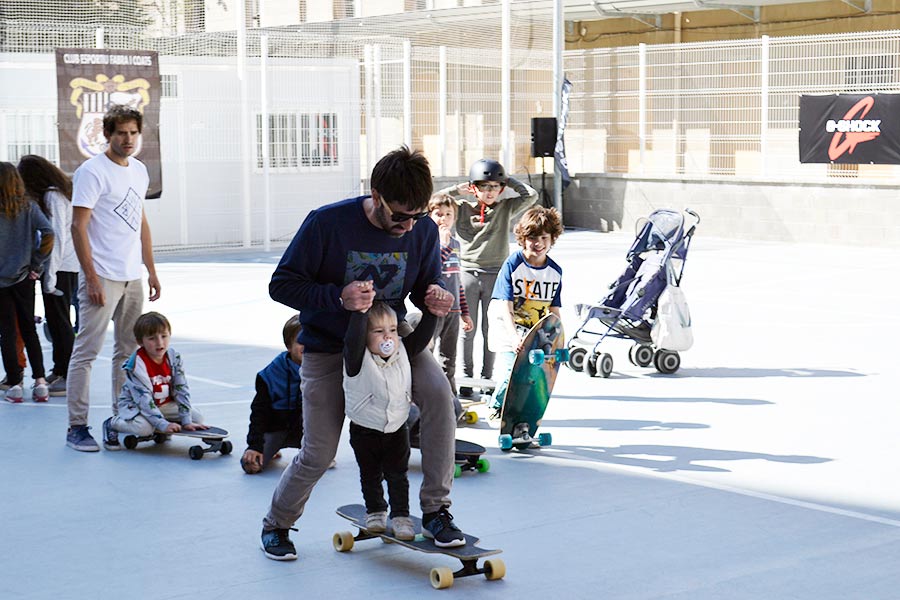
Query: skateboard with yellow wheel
(440, 577)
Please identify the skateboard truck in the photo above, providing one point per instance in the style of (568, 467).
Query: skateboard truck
(521, 439)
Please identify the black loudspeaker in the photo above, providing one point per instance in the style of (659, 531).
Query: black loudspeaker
(543, 136)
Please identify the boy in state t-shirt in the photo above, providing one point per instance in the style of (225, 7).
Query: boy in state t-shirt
(527, 289)
(155, 397)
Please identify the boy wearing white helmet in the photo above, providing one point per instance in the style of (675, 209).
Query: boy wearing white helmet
(486, 205)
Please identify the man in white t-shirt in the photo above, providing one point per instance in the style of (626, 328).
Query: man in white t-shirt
(111, 238)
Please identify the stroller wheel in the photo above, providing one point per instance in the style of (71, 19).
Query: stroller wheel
(576, 358)
(666, 361)
(590, 366)
(641, 355)
(604, 365)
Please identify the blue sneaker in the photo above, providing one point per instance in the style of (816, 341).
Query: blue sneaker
(439, 526)
(110, 436)
(277, 544)
(79, 438)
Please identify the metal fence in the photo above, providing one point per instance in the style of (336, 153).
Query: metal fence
(260, 125)
(721, 109)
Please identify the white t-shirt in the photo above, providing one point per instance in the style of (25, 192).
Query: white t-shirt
(532, 290)
(115, 194)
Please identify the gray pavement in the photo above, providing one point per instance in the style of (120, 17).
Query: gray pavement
(765, 468)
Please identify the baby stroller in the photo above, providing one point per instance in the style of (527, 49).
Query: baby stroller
(655, 262)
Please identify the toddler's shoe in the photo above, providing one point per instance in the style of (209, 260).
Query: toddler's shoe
(110, 436)
(14, 394)
(40, 392)
(376, 522)
(403, 528)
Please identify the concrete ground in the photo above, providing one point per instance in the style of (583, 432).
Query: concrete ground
(765, 468)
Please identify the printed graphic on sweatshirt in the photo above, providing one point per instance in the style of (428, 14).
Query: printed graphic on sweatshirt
(129, 210)
(387, 271)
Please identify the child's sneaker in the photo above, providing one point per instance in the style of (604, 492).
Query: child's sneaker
(403, 528)
(277, 544)
(40, 392)
(79, 437)
(110, 436)
(14, 394)
(57, 386)
(440, 527)
(376, 522)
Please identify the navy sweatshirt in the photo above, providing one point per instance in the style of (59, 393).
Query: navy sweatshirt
(337, 244)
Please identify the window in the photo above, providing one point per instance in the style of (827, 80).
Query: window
(318, 140)
(282, 141)
(30, 133)
(169, 85)
(299, 140)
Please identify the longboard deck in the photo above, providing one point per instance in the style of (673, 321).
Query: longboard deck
(440, 577)
(356, 513)
(214, 437)
(530, 386)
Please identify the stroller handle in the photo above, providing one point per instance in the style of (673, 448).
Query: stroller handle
(696, 222)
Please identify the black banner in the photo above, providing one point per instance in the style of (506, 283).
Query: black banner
(850, 129)
(89, 81)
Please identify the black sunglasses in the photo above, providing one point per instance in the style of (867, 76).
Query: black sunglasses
(399, 217)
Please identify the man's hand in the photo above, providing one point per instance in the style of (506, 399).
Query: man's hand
(468, 323)
(438, 301)
(95, 291)
(173, 428)
(358, 296)
(155, 289)
(252, 461)
(195, 427)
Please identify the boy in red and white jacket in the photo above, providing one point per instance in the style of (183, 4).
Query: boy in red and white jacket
(155, 397)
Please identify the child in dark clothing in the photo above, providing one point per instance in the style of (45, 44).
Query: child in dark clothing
(377, 393)
(276, 415)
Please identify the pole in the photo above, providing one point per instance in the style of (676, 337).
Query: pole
(558, 38)
(505, 38)
(245, 122)
(442, 92)
(264, 109)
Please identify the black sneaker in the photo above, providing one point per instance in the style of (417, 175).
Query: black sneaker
(277, 544)
(466, 392)
(439, 526)
(110, 436)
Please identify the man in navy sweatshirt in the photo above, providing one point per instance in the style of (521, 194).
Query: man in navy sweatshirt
(382, 238)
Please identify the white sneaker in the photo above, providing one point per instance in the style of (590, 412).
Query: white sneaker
(376, 522)
(40, 392)
(403, 528)
(14, 394)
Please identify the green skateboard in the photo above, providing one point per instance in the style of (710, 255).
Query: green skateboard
(530, 385)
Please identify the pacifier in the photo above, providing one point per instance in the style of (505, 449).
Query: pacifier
(386, 347)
